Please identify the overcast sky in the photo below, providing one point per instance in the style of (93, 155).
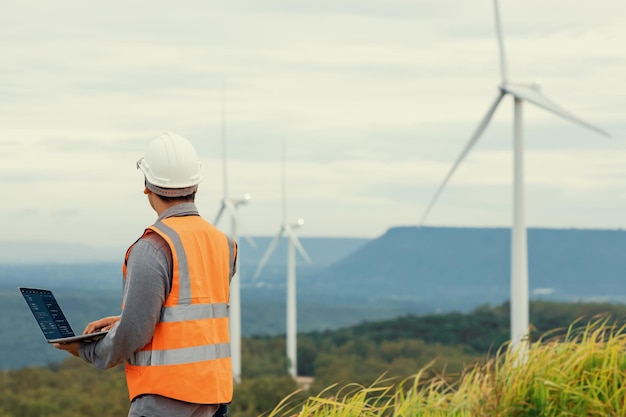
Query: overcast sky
(374, 100)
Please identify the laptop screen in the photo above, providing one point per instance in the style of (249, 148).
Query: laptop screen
(47, 313)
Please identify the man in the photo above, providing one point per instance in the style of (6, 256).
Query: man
(173, 329)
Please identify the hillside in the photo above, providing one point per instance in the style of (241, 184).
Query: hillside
(458, 268)
(446, 351)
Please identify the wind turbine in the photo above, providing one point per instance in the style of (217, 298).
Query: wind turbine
(519, 246)
(231, 205)
(288, 229)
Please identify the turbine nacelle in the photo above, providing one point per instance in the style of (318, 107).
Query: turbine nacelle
(534, 86)
(288, 231)
(241, 201)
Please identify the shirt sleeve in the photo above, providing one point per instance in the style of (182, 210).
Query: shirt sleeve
(147, 284)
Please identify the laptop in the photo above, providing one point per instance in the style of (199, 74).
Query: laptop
(51, 320)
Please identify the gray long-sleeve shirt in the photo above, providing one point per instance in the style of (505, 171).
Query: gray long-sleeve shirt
(147, 285)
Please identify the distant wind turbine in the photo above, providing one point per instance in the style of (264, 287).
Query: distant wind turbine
(293, 244)
(230, 206)
(519, 257)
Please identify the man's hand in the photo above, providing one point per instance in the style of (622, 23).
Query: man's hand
(101, 325)
(69, 347)
(95, 326)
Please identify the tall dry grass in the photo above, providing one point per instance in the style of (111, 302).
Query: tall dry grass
(579, 373)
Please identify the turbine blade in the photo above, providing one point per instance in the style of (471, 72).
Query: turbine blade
(268, 253)
(479, 131)
(219, 214)
(233, 213)
(536, 97)
(250, 240)
(296, 243)
(503, 68)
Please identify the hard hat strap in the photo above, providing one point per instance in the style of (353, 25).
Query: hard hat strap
(171, 192)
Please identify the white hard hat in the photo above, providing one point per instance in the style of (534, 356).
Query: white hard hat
(171, 166)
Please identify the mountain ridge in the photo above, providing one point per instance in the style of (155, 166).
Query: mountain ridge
(455, 263)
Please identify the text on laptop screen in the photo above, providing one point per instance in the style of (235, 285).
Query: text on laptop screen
(48, 314)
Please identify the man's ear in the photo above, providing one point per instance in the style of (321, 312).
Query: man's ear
(146, 191)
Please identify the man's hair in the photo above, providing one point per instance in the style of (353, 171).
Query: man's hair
(181, 199)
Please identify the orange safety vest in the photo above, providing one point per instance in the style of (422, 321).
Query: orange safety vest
(188, 358)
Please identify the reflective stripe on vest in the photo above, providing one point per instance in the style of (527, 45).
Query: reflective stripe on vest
(194, 312)
(181, 356)
(184, 292)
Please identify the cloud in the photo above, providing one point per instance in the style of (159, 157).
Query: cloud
(375, 100)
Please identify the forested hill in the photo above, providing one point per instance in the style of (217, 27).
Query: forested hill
(463, 267)
(442, 345)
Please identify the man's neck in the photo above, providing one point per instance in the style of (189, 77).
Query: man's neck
(159, 205)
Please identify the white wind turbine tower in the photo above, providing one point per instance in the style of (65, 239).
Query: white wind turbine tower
(230, 205)
(293, 244)
(519, 258)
